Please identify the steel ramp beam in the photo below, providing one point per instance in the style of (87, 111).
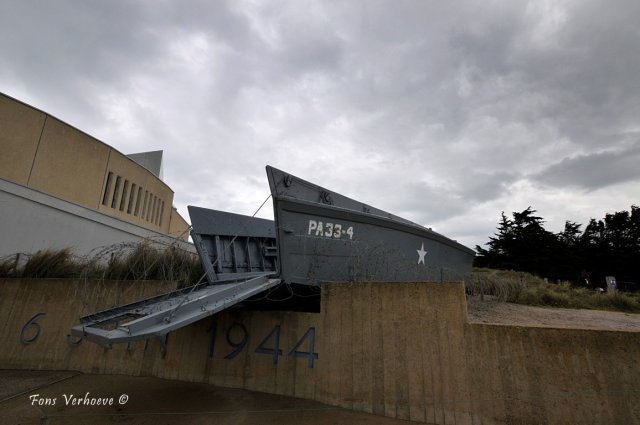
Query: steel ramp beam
(159, 315)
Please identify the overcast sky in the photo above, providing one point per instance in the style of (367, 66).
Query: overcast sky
(445, 113)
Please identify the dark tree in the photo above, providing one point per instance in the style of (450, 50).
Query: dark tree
(520, 244)
(567, 260)
(571, 233)
(608, 247)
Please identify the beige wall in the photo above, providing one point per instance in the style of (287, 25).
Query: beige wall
(403, 350)
(178, 227)
(69, 164)
(44, 153)
(20, 129)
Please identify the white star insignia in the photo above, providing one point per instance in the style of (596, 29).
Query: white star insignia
(421, 254)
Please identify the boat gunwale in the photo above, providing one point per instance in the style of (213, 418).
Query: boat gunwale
(296, 205)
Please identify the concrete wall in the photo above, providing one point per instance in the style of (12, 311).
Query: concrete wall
(48, 155)
(400, 350)
(33, 220)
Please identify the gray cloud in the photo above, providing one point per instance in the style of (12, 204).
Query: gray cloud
(594, 171)
(441, 112)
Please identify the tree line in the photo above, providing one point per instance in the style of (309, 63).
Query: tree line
(606, 247)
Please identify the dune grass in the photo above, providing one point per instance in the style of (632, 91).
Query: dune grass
(50, 263)
(7, 266)
(524, 288)
(140, 261)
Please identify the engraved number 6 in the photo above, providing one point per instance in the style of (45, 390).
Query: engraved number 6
(31, 322)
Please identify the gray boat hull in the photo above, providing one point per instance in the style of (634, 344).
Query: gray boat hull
(323, 238)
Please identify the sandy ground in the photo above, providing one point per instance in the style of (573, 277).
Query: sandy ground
(154, 401)
(494, 312)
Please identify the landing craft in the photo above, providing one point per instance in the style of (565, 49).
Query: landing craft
(326, 237)
(318, 236)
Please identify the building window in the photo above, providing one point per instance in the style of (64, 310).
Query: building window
(116, 192)
(161, 214)
(125, 192)
(138, 202)
(144, 205)
(127, 196)
(159, 208)
(132, 198)
(153, 208)
(107, 189)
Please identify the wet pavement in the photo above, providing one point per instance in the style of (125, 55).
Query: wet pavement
(61, 397)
